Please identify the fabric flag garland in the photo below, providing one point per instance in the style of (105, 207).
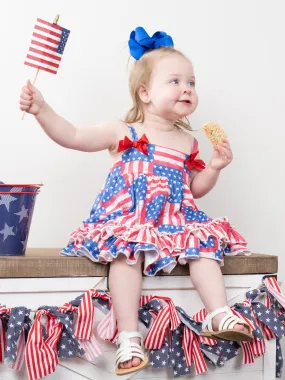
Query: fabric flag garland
(173, 337)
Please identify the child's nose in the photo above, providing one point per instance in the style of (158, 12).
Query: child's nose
(187, 89)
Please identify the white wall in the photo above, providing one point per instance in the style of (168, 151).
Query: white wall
(237, 48)
(238, 53)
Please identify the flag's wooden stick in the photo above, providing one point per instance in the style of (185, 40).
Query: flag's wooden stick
(55, 21)
(34, 81)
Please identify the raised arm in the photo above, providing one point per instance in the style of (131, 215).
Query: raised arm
(90, 139)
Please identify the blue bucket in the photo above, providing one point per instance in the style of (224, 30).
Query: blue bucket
(16, 212)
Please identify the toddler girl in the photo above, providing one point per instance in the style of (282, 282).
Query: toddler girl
(145, 212)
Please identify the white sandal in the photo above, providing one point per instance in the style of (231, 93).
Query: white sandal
(127, 350)
(225, 329)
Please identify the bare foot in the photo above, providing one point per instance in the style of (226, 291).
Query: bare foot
(135, 361)
(216, 321)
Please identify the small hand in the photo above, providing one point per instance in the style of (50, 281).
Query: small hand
(222, 155)
(31, 100)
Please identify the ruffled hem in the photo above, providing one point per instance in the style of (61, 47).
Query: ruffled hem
(102, 243)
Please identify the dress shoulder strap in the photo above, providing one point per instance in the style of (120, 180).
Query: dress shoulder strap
(195, 146)
(133, 132)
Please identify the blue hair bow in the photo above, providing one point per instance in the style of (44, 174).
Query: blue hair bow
(140, 42)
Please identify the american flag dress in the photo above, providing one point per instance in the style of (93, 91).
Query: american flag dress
(146, 205)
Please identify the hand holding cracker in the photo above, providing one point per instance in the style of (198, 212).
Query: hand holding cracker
(222, 154)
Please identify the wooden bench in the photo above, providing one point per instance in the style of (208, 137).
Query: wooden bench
(43, 277)
(46, 262)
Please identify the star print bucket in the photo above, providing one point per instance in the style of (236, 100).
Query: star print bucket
(16, 211)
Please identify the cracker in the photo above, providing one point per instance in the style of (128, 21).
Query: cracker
(214, 132)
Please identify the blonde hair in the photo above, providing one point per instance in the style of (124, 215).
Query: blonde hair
(140, 74)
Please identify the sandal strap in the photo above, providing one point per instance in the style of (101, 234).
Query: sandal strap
(227, 322)
(125, 335)
(128, 349)
(207, 323)
(127, 353)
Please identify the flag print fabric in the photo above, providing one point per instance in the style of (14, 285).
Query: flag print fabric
(47, 46)
(146, 205)
(172, 338)
(16, 213)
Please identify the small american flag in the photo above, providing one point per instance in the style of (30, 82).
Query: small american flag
(47, 46)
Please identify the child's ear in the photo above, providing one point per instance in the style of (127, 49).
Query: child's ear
(143, 94)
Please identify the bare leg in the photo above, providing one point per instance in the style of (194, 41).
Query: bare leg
(208, 280)
(125, 283)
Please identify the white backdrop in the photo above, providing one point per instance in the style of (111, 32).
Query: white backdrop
(237, 49)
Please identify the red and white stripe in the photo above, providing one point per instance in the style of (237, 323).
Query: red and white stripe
(157, 186)
(248, 357)
(198, 358)
(138, 166)
(42, 52)
(107, 328)
(199, 361)
(67, 307)
(83, 327)
(169, 157)
(174, 316)
(84, 324)
(54, 329)
(187, 344)
(140, 233)
(5, 310)
(200, 316)
(116, 202)
(91, 347)
(166, 317)
(156, 335)
(258, 347)
(267, 331)
(130, 219)
(274, 289)
(188, 200)
(41, 355)
(192, 351)
(173, 215)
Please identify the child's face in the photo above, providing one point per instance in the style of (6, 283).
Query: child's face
(171, 92)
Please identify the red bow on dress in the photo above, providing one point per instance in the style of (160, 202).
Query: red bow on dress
(140, 144)
(192, 163)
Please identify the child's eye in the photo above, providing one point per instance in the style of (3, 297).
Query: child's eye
(191, 84)
(175, 81)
